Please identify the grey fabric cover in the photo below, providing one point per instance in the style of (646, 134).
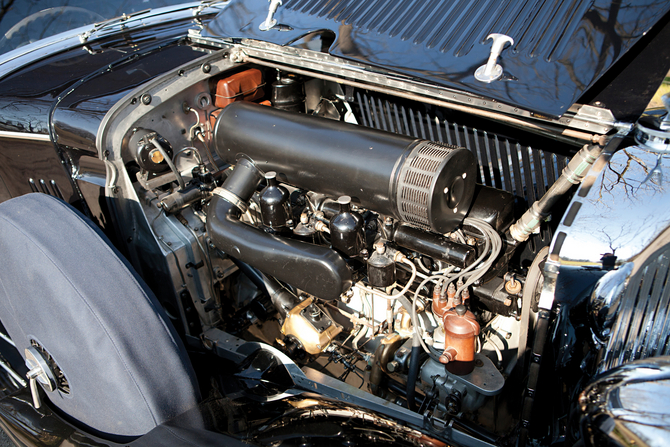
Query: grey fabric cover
(65, 286)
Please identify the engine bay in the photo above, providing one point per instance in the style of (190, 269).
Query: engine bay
(277, 209)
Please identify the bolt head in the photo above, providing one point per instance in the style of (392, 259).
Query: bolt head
(392, 366)
(237, 57)
(452, 407)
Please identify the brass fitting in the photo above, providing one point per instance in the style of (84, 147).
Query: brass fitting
(310, 326)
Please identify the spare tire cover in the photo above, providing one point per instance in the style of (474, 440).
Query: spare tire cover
(65, 288)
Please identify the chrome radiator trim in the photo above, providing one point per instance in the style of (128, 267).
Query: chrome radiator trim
(641, 328)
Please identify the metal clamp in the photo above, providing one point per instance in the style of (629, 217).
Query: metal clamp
(231, 198)
(270, 21)
(492, 70)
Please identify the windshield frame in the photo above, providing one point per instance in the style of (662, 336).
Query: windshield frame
(88, 34)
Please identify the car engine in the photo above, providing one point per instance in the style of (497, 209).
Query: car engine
(362, 241)
(349, 222)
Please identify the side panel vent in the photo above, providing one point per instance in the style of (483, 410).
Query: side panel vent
(642, 325)
(44, 187)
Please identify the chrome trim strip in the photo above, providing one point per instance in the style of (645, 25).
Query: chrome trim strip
(7, 339)
(24, 136)
(586, 118)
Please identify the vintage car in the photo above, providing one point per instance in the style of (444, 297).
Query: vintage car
(418, 222)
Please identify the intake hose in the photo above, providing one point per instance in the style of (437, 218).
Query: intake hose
(572, 174)
(413, 372)
(317, 270)
(426, 184)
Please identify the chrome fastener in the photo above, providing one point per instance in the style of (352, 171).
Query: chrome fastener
(270, 21)
(492, 70)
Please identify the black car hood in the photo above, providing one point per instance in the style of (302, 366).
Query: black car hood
(561, 47)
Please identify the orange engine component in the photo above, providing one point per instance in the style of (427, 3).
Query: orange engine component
(444, 302)
(460, 333)
(243, 86)
(439, 302)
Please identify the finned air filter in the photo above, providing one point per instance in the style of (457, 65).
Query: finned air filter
(426, 184)
(432, 186)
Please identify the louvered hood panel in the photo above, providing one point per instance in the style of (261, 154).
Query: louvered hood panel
(561, 47)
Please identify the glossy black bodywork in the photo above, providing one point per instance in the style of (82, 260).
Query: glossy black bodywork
(626, 89)
(561, 47)
(78, 87)
(30, 20)
(611, 405)
(33, 166)
(65, 97)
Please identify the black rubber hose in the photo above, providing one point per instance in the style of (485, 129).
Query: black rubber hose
(376, 372)
(401, 390)
(251, 273)
(413, 374)
(317, 270)
(542, 328)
